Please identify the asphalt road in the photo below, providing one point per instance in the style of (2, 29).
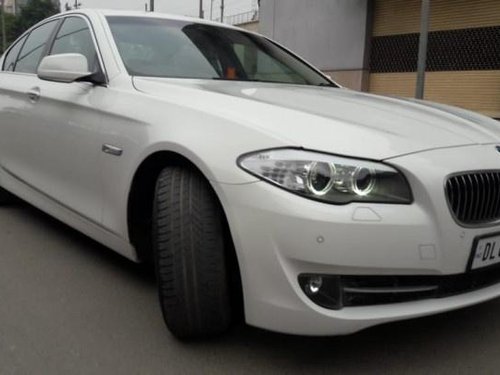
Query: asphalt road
(70, 306)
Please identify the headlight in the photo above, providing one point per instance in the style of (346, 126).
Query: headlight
(328, 178)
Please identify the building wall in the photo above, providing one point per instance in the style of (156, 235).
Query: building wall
(403, 17)
(9, 6)
(463, 65)
(331, 34)
(250, 26)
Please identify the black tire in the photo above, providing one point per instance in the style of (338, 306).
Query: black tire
(5, 197)
(188, 241)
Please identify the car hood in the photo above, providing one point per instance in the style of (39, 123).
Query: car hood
(334, 120)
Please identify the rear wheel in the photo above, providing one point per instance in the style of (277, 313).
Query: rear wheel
(188, 239)
(5, 197)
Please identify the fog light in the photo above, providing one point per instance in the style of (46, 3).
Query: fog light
(323, 290)
(314, 285)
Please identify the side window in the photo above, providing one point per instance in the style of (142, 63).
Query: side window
(75, 37)
(33, 49)
(11, 57)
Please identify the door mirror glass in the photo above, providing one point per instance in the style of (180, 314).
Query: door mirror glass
(67, 67)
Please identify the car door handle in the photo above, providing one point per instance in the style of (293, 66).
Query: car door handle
(34, 94)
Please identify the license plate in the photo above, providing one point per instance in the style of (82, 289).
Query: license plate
(486, 252)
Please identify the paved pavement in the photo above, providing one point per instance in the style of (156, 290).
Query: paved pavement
(70, 306)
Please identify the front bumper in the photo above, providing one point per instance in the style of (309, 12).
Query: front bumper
(279, 236)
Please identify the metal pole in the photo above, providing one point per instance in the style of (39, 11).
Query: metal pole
(211, 9)
(422, 49)
(152, 5)
(222, 11)
(4, 35)
(201, 9)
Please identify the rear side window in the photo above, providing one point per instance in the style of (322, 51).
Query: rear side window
(75, 37)
(33, 49)
(11, 57)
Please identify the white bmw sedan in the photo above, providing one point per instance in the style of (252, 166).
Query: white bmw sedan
(255, 185)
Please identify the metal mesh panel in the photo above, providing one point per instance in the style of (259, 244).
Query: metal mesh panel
(450, 50)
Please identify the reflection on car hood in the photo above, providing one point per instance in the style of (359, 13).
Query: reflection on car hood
(336, 120)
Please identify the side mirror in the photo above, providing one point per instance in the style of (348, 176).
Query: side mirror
(66, 68)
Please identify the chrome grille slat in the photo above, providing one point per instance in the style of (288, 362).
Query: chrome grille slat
(470, 198)
(482, 202)
(496, 205)
(477, 192)
(377, 290)
(381, 290)
(459, 195)
(474, 197)
(487, 198)
(490, 195)
(464, 191)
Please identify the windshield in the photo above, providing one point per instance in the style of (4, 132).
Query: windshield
(155, 47)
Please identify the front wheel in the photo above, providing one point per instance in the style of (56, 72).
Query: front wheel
(189, 246)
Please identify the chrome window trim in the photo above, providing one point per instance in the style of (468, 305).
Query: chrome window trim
(60, 19)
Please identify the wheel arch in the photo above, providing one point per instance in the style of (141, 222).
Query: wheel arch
(140, 208)
(140, 198)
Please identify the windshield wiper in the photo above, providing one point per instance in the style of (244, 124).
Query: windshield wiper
(243, 80)
(276, 82)
(323, 84)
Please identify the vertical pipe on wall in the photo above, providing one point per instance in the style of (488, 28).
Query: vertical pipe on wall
(422, 49)
(4, 35)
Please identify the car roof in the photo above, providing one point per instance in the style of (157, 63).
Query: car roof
(128, 13)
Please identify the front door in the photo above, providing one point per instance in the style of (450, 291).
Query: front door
(54, 145)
